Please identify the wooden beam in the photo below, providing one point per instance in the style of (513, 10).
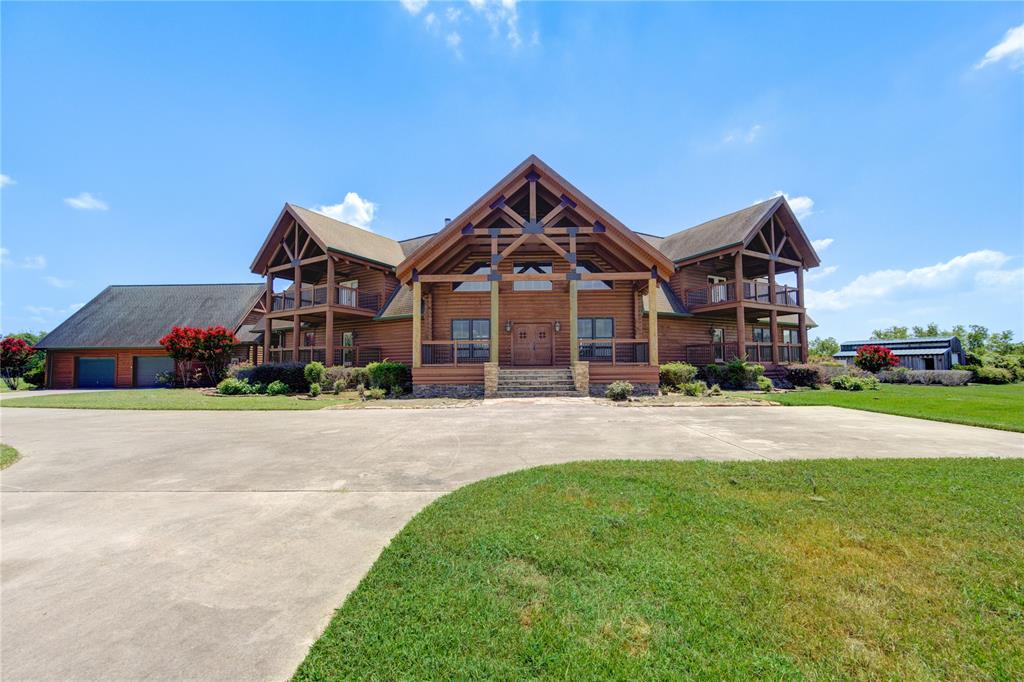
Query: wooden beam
(574, 331)
(296, 323)
(267, 326)
(652, 321)
(741, 329)
(552, 215)
(771, 283)
(765, 256)
(518, 219)
(417, 331)
(495, 332)
(284, 245)
(800, 291)
(533, 200)
(614, 276)
(516, 243)
(782, 244)
(329, 321)
(773, 316)
(802, 322)
(453, 278)
(555, 247)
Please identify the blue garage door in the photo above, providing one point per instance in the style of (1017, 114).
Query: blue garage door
(94, 372)
(147, 369)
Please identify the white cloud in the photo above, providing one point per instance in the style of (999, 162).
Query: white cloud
(502, 16)
(802, 206)
(414, 6)
(876, 287)
(6, 180)
(430, 20)
(747, 136)
(1001, 278)
(820, 273)
(453, 14)
(354, 210)
(1010, 48)
(453, 40)
(86, 202)
(821, 244)
(26, 263)
(58, 283)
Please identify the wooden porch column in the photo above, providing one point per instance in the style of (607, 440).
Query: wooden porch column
(417, 320)
(741, 327)
(800, 286)
(804, 345)
(495, 323)
(774, 317)
(574, 328)
(329, 331)
(652, 321)
(267, 325)
(296, 323)
(771, 282)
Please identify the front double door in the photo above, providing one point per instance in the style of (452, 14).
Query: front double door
(532, 344)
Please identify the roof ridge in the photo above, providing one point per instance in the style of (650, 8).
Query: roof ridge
(342, 222)
(726, 215)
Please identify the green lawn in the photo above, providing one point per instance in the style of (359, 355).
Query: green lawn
(866, 569)
(997, 407)
(8, 456)
(22, 386)
(171, 399)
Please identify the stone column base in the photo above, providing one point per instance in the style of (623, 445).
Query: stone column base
(490, 379)
(581, 376)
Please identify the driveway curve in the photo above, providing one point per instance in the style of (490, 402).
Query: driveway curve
(216, 545)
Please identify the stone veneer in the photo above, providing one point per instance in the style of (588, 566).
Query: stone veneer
(598, 390)
(447, 391)
(581, 376)
(490, 379)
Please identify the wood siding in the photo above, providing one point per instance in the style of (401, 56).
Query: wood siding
(61, 364)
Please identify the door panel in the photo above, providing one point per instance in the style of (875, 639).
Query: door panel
(146, 369)
(532, 344)
(94, 372)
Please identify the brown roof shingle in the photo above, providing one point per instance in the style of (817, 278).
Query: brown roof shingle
(720, 233)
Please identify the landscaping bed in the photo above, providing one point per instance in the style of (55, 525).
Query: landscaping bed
(693, 570)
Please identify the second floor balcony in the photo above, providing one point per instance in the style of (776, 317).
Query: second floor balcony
(340, 295)
(754, 291)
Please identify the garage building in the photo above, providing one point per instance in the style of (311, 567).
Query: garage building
(114, 339)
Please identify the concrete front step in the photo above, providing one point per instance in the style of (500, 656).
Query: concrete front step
(536, 383)
(536, 394)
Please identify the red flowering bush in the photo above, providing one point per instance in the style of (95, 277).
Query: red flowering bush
(15, 357)
(199, 351)
(875, 358)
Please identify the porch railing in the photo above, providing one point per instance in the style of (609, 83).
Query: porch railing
(753, 290)
(615, 351)
(451, 352)
(349, 356)
(701, 354)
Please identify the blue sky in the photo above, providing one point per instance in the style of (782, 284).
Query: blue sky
(156, 143)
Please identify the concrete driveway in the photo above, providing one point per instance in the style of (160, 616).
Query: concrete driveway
(216, 545)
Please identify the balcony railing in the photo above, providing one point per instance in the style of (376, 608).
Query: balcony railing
(450, 352)
(615, 351)
(753, 290)
(709, 353)
(348, 356)
(346, 296)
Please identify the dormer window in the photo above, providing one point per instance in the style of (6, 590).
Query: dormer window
(477, 269)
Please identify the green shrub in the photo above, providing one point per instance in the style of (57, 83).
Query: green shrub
(260, 389)
(349, 376)
(619, 390)
(693, 388)
(672, 374)
(810, 376)
(945, 377)
(35, 376)
(291, 373)
(993, 375)
(232, 386)
(315, 373)
(388, 375)
(847, 382)
(765, 384)
(715, 390)
(236, 368)
(375, 393)
(735, 374)
(277, 387)
(339, 386)
(314, 390)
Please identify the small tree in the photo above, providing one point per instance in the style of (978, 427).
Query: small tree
(15, 358)
(193, 348)
(214, 351)
(824, 348)
(875, 358)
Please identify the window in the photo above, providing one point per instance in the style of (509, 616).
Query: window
(762, 335)
(472, 330)
(718, 343)
(532, 269)
(592, 284)
(791, 336)
(478, 269)
(308, 339)
(591, 328)
(277, 339)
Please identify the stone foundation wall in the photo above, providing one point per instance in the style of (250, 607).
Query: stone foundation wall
(490, 379)
(581, 376)
(447, 391)
(597, 390)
